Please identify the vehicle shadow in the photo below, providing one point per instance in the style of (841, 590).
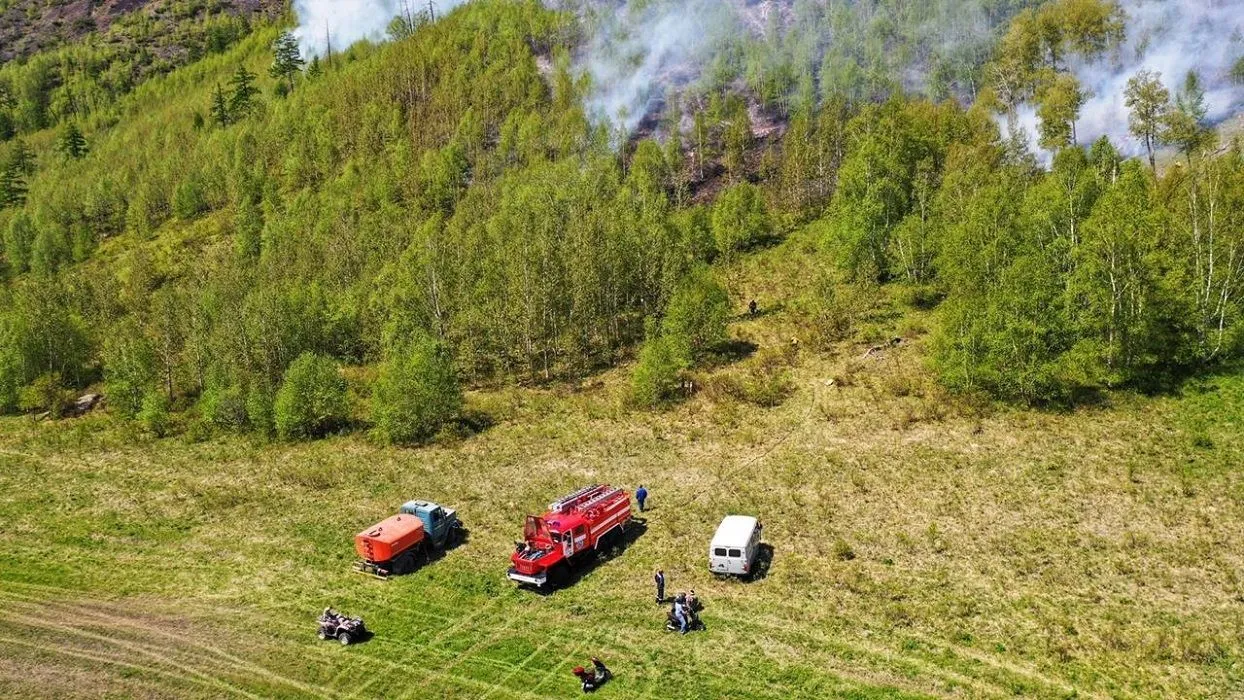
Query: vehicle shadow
(764, 560)
(460, 537)
(585, 566)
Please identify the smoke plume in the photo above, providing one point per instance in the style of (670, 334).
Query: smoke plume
(344, 22)
(634, 55)
(1171, 37)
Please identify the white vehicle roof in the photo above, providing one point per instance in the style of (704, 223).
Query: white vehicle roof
(734, 531)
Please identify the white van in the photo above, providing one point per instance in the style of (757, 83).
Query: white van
(735, 546)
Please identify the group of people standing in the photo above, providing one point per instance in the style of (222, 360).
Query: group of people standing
(684, 612)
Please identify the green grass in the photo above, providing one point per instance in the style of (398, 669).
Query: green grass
(997, 552)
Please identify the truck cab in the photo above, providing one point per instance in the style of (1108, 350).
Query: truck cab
(439, 522)
(735, 546)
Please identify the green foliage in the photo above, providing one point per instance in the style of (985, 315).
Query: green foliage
(88, 78)
(153, 414)
(220, 107)
(697, 313)
(242, 93)
(312, 399)
(188, 200)
(287, 59)
(39, 336)
(1148, 101)
(740, 219)
(416, 393)
(46, 393)
(19, 238)
(657, 377)
(130, 369)
(71, 143)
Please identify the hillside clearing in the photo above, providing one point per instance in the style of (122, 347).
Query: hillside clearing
(916, 552)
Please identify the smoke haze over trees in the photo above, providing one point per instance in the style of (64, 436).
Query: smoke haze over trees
(463, 188)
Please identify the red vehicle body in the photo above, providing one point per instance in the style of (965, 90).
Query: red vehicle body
(590, 519)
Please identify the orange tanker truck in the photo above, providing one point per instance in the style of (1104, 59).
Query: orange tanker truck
(396, 545)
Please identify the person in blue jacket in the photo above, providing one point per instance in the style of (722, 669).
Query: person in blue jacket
(641, 495)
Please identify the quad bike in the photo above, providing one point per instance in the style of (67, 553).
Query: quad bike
(346, 630)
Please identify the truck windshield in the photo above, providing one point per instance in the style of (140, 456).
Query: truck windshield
(535, 529)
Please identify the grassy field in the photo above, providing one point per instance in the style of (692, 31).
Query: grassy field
(923, 546)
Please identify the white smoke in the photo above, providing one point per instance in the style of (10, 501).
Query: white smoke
(345, 22)
(1170, 37)
(633, 56)
(627, 58)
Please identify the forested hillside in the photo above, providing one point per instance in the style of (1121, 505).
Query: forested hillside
(947, 294)
(450, 198)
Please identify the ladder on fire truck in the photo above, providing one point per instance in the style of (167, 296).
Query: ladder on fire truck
(587, 494)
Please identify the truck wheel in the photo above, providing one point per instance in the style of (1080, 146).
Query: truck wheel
(404, 564)
(559, 574)
(344, 638)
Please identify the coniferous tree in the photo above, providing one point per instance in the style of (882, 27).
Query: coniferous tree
(220, 108)
(1185, 123)
(71, 142)
(242, 98)
(13, 172)
(286, 59)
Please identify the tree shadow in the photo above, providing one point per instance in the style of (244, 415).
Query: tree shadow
(730, 352)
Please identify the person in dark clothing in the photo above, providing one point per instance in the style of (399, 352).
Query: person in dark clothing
(752, 307)
(659, 580)
(641, 495)
(593, 679)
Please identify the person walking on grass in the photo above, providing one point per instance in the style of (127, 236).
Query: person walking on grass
(659, 580)
(641, 495)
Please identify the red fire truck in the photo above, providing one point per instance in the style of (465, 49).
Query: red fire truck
(588, 520)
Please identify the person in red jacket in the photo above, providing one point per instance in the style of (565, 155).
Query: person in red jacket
(593, 679)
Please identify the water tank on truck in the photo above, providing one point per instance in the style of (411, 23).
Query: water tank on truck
(397, 544)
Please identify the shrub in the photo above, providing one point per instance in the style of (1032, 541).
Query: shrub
(223, 404)
(259, 411)
(154, 414)
(416, 394)
(129, 369)
(312, 399)
(188, 200)
(842, 550)
(47, 393)
(698, 312)
(658, 374)
(10, 378)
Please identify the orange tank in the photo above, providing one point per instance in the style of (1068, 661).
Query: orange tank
(389, 538)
